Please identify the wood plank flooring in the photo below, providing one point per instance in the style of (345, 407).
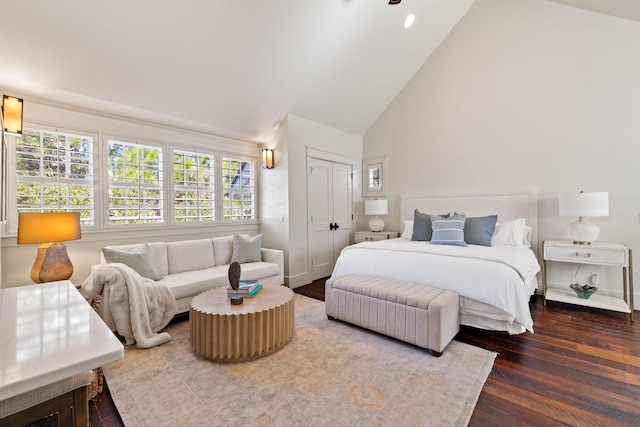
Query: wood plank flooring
(581, 367)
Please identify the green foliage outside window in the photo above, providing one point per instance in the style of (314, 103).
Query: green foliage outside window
(55, 173)
(194, 189)
(135, 183)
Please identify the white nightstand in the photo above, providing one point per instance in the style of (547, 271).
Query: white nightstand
(606, 254)
(369, 236)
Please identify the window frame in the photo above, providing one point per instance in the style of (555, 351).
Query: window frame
(100, 184)
(12, 184)
(105, 183)
(254, 161)
(216, 156)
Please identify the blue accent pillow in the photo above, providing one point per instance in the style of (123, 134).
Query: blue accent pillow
(479, 231)
(448, 231)
(422, 230)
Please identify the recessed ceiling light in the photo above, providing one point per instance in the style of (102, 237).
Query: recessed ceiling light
(409, 21)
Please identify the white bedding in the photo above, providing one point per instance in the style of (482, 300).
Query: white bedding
(503, 277)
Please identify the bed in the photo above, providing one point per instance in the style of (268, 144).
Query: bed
(495, 282)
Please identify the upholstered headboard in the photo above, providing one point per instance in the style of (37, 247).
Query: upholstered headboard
(508, 206)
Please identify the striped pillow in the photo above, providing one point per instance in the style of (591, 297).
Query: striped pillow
(448, 231)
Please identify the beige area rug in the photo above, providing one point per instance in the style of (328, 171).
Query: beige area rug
(329, 374)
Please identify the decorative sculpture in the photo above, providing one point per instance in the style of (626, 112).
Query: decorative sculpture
(234, 281)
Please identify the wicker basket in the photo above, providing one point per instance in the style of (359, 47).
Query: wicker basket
(95, 387)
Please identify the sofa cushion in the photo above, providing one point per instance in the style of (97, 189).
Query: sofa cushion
(188, 284)
(191, 283)
(138, 258)
(259, 270)
(188, 255)
(160, 257)
(223, 249)
(247, 249)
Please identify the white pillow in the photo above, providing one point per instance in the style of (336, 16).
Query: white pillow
(527, 236)
(247, 249)
(138, 258)
(509, 233)
(408, 230)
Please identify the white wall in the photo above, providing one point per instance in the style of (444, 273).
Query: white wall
(274, 196)
(17, 259)
(524, 94)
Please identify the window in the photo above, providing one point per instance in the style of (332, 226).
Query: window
(55, 173)
(135, 183)
(193, 187)
(238, 182)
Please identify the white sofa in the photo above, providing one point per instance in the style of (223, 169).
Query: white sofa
(189, 267)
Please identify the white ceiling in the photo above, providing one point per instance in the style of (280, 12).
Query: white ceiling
(628, 9)
(228, 67)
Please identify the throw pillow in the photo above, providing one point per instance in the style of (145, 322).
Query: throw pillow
(408, 230)
(511, 233)
(478, 231)
(422, 230)
(247, 249)
(139, 259)
(448, 231)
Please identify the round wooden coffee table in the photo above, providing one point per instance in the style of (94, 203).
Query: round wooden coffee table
(234, 333)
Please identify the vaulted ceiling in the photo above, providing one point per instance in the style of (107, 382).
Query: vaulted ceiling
(228, 67)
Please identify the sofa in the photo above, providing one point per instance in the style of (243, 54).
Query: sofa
(189, 267)
(142, 286)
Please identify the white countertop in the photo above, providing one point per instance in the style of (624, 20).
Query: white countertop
(48, 332)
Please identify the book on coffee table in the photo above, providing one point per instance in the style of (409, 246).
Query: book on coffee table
(247, 288)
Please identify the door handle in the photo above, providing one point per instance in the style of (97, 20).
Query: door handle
(336, 226)
(333, 226)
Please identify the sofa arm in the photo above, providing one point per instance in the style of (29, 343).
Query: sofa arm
(275, 256)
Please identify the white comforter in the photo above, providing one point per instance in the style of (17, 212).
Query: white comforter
(503, 276)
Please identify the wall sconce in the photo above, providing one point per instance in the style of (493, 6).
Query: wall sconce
(12, 114)
(49, 228)
(583, 204)
(267, 158)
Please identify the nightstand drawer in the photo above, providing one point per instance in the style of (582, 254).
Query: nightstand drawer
(586, 255)
(371, 236)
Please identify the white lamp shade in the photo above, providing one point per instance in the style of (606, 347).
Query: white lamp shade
(584, 204)
(376, 207)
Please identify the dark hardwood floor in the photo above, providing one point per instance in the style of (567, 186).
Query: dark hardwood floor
(581, 367)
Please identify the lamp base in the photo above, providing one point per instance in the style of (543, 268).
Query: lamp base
(376, 224)
(52, 263)
(582, 232)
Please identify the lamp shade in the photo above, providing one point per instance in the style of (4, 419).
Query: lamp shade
(584, 204)
(376, 207)
(48, 227)
(267, 158)
(12, 114)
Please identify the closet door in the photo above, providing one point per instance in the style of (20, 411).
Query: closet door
(329, 195)
(342, 185)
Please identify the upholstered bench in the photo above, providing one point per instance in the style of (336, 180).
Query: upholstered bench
(418, 314)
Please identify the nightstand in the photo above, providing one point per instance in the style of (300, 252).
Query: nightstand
(605, 254)
(369, 236)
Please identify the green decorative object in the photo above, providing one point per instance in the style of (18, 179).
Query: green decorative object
(583, 291)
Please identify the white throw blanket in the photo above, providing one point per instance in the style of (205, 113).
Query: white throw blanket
(134, 306)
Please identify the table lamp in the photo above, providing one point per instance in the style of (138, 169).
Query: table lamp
(376, 207)
(49, 229)
(581, 205)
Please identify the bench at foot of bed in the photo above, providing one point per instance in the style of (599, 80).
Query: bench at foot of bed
(418, 314)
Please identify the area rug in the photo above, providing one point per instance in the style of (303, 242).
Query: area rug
(329, 374)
